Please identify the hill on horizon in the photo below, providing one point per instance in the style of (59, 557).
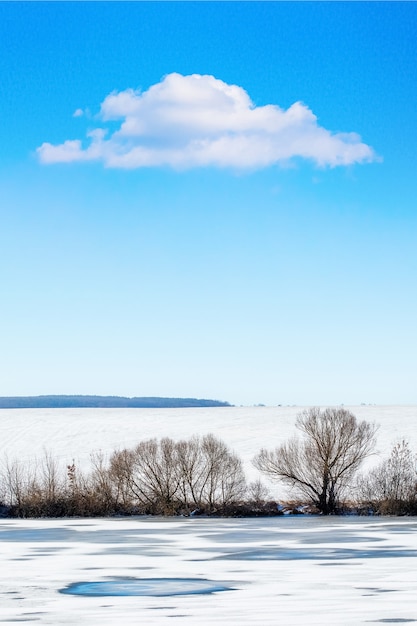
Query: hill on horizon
(79, 401)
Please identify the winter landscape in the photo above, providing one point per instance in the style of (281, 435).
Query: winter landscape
(289, 569)
(208, 200)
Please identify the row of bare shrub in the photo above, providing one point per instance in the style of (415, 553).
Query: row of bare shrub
(190, 477)
(157, 477)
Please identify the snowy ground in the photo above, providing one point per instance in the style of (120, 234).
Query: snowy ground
(286, 570)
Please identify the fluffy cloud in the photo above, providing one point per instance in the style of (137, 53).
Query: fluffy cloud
(196, 121)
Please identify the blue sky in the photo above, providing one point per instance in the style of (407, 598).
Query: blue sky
(211, 237)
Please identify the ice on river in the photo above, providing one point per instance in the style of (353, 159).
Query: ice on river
(286, 570)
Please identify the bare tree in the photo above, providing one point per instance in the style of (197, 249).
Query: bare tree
(120, 474)
(150, 471)
(320, 464)
(34, 488)
(226, 482)
(104, 484)
(193, 472)
(391, 487)
(50, 481)
(257, 492)
(167, 477)
(16, 478)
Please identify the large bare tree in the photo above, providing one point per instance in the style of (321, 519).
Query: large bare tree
(320, 464)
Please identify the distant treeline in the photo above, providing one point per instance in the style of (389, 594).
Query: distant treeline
(69, 402)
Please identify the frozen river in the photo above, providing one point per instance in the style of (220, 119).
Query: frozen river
(287, 570)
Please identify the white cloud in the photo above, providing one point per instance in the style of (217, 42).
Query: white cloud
(196, 121)
(78, 113)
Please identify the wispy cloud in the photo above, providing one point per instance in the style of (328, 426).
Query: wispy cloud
(196, 121)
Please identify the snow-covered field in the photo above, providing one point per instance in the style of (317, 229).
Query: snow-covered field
(286, 570)
(264, 572)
